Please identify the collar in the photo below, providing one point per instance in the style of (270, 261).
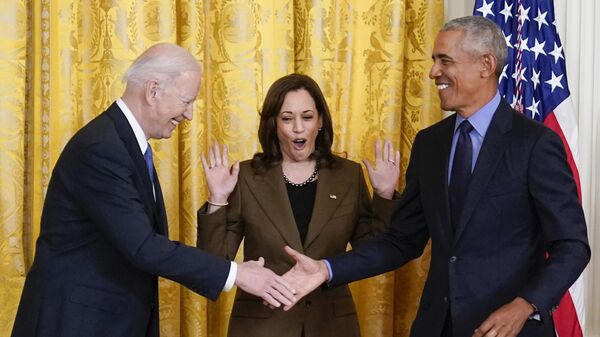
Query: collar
(137, 129)
(483, 117)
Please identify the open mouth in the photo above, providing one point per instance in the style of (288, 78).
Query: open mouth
(174, 121)
(299, 143)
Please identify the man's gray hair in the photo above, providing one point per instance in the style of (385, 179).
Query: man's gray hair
(480, 36)
(163, 62)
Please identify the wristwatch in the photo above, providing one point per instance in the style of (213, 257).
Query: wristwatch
(535, 316)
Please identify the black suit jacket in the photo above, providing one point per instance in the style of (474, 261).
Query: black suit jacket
(521, 203)
(103, 242)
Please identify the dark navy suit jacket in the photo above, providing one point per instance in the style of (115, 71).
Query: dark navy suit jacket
(521, 203)
(103, 242)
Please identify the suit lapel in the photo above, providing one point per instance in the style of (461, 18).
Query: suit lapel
(492, 150)
(271, 194)
(161, 212)
(439, 177)
(331, 189)
(128, 137)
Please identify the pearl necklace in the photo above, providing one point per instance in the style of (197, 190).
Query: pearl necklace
(310, 179)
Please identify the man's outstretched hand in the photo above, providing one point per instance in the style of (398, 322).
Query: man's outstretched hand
(305, 276)
(255, 279)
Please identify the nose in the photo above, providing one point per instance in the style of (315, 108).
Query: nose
(298, 125)
(434, 71)
(189, 112)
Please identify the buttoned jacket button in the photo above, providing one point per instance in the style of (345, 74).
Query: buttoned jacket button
(452, 259)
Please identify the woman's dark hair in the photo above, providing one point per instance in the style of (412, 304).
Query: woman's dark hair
(267, 129)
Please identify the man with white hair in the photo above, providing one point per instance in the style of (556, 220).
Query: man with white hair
(103, 240)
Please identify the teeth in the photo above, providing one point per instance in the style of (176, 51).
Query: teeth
(442, 86)
(174, 122)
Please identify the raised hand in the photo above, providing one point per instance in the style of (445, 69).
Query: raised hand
(255, 279)
(506, 321)
(220, 178)
(385, 173)
(305, 276)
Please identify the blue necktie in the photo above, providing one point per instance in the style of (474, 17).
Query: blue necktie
(461, 172)
(149, 163)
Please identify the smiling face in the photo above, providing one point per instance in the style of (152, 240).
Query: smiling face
(298, 124)
(170, 104)
(459, 76)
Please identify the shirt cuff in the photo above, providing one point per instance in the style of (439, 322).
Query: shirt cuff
(536, 314)
(231, 277)
(329, 270)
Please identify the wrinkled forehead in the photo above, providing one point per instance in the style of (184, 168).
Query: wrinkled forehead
(187, 83)
(449, 38)
(452, 43)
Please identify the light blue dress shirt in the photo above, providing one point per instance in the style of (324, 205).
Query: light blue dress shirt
(480, 120)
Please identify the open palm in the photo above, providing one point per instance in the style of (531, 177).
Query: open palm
(220, 178)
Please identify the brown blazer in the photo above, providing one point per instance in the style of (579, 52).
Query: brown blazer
(259, 210)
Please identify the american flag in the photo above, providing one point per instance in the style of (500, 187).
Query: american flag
(534, 81)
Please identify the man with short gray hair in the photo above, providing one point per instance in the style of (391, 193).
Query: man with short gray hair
(493, 191)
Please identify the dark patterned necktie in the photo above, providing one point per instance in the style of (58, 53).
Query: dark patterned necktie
(149, 163)
(461, 172)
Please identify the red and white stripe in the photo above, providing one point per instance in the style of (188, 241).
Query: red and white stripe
(569, 318)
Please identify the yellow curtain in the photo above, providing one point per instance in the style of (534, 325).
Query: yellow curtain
(61, 63)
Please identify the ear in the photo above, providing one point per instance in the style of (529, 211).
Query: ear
(151, 91)
(489, 63)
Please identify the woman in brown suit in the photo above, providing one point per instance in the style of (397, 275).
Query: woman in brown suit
(296, 193)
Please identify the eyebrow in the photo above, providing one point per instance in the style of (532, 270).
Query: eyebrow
(441, 56)
(187, 98)
(290, 112)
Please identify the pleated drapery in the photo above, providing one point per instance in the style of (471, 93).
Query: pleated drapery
(61, 64)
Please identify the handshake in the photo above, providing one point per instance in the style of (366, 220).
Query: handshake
(304, 277)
